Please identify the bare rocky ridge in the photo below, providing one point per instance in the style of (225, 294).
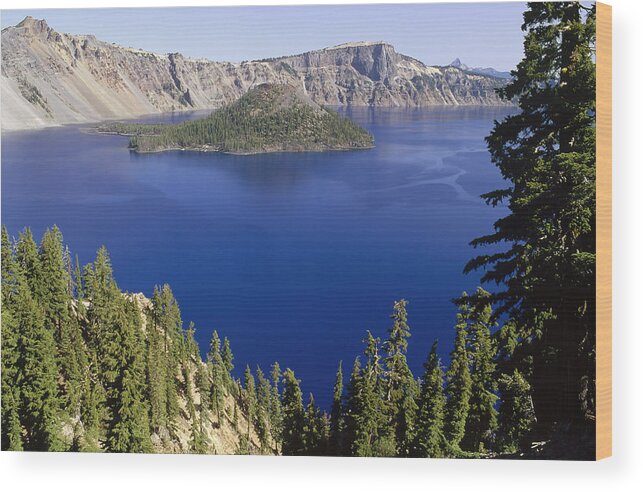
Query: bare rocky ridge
(49, 78)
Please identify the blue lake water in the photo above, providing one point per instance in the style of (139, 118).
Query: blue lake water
(291, 256)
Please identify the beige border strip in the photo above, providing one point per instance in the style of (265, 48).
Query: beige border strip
(603, 230)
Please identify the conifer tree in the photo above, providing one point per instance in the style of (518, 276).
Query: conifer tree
(293, 416)
(128, 427)
(28, 260)
(313, 429)
(400, 382)
(227, 357)
(431, 407)
(546, 266)
(249, 400)
(218, 376)
(168, 318)
(93, 409)
(11, 428)
(482, 418)
(373, 436)
(264, 408)
(204, 385)
(276, 408)
(458, 388)
(352, 408)
(191, 347)
(59, 319)
(38, 374)
(337, 414)
(156, 368)
(516, 417)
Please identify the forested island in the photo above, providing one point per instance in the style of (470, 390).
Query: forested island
(268, 118)
(86, 367)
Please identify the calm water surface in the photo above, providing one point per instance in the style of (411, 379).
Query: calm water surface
(292, 256)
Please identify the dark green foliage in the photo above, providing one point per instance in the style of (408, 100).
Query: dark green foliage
(337, 415)
(400, 385)
(276, 416)
(249, 400)
(264, 409)
(315, 430)
(82, 371)
(547, 154)
(60, 320)
(218, 376)
(11, 427)
(293, 416)
(516, 417)
(369, 432)
(458, 388)
(227, 358)
(128, 425)
(38, 375)
(482, 418)
(429, 440)
(269, 118)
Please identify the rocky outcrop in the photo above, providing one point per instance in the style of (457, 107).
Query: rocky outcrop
(49, 78)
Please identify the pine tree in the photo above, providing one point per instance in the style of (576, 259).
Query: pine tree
(28, 260)
(11, 428)
(93, 411)
(482, 418)
(264, 408)
(458, 388)
(191, 347)
(400, 383)
(38, 374)
(204, 385)
(218, 376)
(128, 429)
(431, 408)
(516, 417)
(313, 429)
(59, 319)
(368, 408)
(337, 414)
(198, 439)
(249, 401)
(167, 316)
(352, 408)
(276, 409)
(227, 357)
(547, 154)
(156, 369)
(293, 416)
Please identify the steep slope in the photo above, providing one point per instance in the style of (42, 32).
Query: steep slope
(268, 118)
(374, 74)
(49, 78)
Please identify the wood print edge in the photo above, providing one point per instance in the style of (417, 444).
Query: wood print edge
(603, 230)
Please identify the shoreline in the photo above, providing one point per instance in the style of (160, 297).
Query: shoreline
(129, 118)
(257, 152)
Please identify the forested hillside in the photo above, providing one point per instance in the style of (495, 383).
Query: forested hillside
(269, 118)
(86, 367)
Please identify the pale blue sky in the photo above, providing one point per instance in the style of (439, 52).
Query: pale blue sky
(480, 34)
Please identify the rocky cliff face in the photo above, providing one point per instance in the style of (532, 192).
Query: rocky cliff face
(49, 78)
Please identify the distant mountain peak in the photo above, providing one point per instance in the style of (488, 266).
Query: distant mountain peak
(489, 71)
(458, 64)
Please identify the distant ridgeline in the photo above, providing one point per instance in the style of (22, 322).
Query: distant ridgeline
(269, 118)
